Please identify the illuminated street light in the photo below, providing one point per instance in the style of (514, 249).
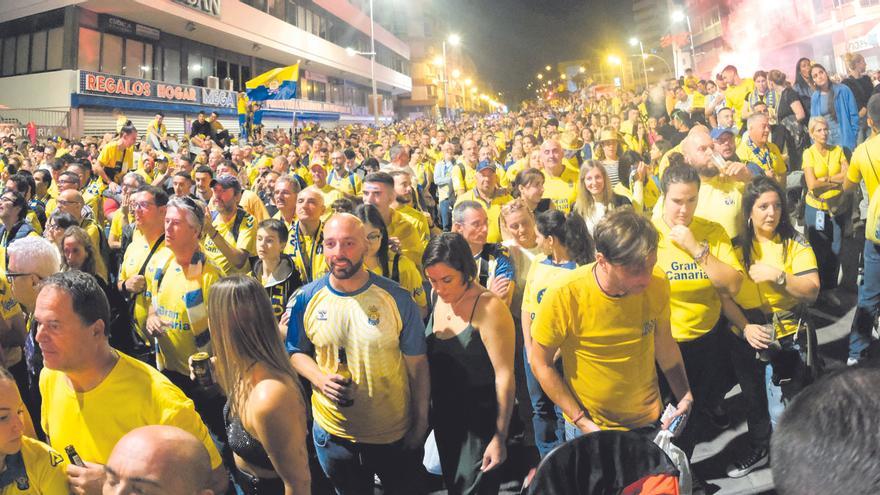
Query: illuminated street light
(540, 76)
(614, 60)
(547, 68)
(456, 73)
(438, 60)
(636, 42)
(582, 69)
(563, 76)
(468, 82)
(677, 16)
(454, 39)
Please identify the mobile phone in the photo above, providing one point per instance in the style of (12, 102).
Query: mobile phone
(677, 424)
(74, 458)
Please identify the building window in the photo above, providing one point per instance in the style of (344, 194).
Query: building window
(89, 53)
(276, 8)
(38, 51)
(8, 56)
(54, 51)
(134, 59)
(22, 47)
(841, 3)
(111, 54)
(870, 3)
(171, 65)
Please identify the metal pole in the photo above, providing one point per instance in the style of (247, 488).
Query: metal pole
(691, 39)
(644, 66)
(445, 81)
(373, 67)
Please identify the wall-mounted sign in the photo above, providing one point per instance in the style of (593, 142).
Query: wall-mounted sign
(96, 83)
(210, 7)
(113, 24)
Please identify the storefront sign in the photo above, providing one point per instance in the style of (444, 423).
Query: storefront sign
(95, 83)
(113, 24)
(210, 7)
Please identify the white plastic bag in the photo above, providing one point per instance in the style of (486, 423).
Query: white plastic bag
(431, 461)
(664, 441)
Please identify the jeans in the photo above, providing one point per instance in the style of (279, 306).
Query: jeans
(869, 302)
(350, 466)
(826, 244)
(572, 431)
(444, 210)
(788, 364)
(547, 419)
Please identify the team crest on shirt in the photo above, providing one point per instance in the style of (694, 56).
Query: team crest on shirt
(373, 315)
(728, 201)
(649, 327)
(541, 295)
(322, 315)
(55, 458)
(418, 291)
(23, 483)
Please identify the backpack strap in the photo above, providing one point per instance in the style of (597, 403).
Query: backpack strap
(236, 226)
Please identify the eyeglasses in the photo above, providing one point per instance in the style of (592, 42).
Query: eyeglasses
(141, 205)
(7, 200)
(10, 276)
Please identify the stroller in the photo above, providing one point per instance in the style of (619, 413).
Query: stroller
(606, 463)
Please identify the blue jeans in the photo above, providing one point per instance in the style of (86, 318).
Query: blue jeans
(825, 243)
(572, 431)
(350, 466)
(869, 302)
(778, 396)
(547, 419)
(444, 210)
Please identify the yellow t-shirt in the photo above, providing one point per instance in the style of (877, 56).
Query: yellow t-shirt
(95, 235)
(543, 273)
(246, 241)
(349, 184)
(45, 469)
(132, 395)
(418, 220)
(411, 244)
(865, 164)
(768, 159)
(607, 346)
(8, 308)
(561, 190)
(736, 96)
(826, 165)
(116, 224)
(168, 296)
(506, 179)
(135, 255)
(424, 173)
(307, 251)
(410, 278)
(798, 259)
(493, 210)
(251, 203)
(695, 305)
(330, 194)
(462, 183)
(160, 129)
(116, 160)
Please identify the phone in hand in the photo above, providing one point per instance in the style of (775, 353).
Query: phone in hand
(73, 457)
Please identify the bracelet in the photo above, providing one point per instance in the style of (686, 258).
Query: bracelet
(704, 253)
(578, 417)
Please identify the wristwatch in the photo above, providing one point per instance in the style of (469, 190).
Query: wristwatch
(780, 280)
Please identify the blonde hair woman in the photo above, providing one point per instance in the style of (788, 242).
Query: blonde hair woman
(265, 413)
(595, 196)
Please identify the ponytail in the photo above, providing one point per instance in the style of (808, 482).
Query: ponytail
(571, 231)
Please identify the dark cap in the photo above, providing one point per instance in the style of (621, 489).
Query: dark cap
(553, 121)
(485, 165)
(227, 182)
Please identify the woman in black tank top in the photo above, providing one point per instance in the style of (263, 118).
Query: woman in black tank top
(470, 354)
(265, 412)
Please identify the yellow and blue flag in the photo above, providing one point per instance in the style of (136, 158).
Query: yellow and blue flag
(276, 84)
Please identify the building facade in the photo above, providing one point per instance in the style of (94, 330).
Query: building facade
(89, 57)
(753, 35)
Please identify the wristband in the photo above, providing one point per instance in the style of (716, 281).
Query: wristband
(581, 415)
(704, 253)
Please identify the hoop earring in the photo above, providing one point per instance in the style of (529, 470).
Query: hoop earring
(749, 223)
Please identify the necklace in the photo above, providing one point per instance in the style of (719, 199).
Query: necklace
(452, 306)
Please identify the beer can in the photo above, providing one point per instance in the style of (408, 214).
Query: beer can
(202, 369)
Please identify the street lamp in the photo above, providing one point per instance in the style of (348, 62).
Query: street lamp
(453, 40)
(634, 42)
(540, 76)
(678, 16)
(372, 54)
(547, 68)
(615, 60)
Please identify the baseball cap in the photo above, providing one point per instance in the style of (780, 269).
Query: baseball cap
(717, 132)
(227, 182)
(485, 165)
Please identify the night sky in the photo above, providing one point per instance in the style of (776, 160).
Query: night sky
(512, 40)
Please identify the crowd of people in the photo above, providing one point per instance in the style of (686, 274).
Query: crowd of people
(294, 311)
